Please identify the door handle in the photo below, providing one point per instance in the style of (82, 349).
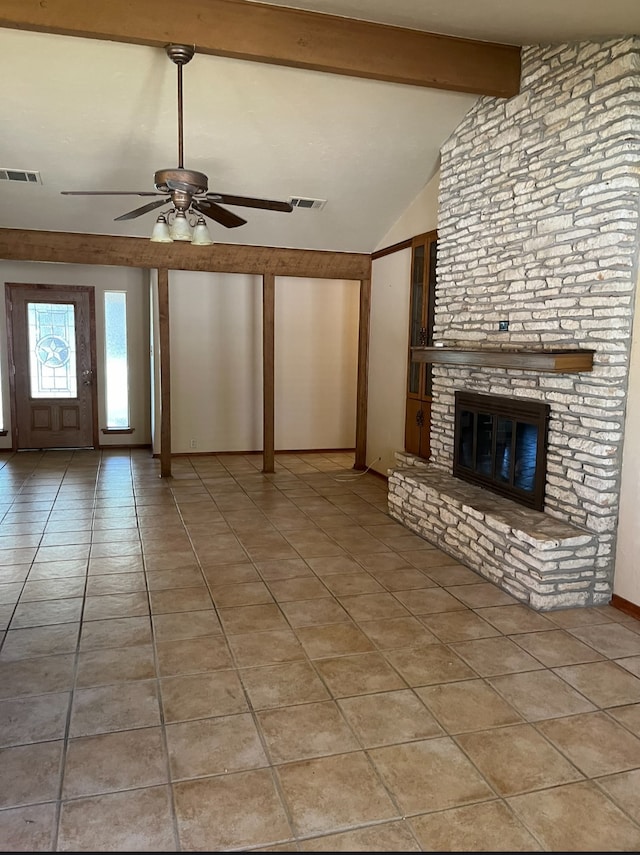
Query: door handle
(87, 377)
(420, 418)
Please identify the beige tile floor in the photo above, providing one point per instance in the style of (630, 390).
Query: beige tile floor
(227, 660)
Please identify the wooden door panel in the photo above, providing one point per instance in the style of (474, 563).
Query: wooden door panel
(412, 428)
(70, 418)
(51, 332)
(425, 431)
(41, 417)
(417, 427)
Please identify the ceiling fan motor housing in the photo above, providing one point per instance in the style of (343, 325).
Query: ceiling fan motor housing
(188, 180)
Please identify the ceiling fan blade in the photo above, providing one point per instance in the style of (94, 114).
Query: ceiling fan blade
(138, 212)
(250, 202)
(220, 215)
(110, 193)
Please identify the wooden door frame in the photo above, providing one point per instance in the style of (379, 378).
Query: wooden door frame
(43, 288)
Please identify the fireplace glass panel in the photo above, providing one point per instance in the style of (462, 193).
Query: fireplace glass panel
(417, 299)
(504, 441)
(484, 444)
(465, 439)
(526, 456)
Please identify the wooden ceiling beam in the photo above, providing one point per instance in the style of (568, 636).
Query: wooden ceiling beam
(282, 36)
(74, 248)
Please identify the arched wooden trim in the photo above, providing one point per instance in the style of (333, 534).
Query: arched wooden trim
(388, 250)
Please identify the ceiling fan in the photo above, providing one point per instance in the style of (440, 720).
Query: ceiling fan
(185, 189)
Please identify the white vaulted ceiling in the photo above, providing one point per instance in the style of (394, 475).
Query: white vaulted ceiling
(102, 115)
(515, 22)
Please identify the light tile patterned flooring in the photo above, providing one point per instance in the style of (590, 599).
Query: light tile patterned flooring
(227, 660)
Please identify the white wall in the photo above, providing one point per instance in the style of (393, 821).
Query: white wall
(215, 324)
(389, 331)
(135, 283)
(216, 362)
(626, 580)
(421, 216)
(316, 363)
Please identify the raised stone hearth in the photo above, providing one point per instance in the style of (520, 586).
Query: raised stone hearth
(541, 560)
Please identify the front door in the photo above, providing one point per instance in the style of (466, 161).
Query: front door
(52, 358)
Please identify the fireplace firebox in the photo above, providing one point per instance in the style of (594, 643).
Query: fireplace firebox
(501, 443)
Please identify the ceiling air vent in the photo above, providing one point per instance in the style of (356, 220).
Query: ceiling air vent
(302, 202)
(26, 176)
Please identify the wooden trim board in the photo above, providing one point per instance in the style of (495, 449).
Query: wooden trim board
(279, 35)
(555, 361)
(75, 248)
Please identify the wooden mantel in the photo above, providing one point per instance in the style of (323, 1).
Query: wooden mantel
(560, 361)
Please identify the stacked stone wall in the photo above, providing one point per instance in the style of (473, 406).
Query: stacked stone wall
(538, 225)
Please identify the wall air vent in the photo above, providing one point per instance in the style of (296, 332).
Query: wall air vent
(26, 176)
(302, 202)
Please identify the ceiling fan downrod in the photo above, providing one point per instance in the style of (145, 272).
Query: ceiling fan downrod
(182, 184)
(180, 55)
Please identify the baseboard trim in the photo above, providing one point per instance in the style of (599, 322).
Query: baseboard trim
(295, 451)
(625, 606)
(384, 477)
(120, 445)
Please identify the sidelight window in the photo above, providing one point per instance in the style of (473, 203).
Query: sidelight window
(116, 359)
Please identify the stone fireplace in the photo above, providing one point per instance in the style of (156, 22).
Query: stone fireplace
(538, 252)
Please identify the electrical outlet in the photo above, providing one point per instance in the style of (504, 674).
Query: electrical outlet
(503, 326)
(193, 444)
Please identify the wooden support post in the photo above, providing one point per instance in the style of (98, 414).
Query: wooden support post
(165, 376)
(363, 371)
(268, 370)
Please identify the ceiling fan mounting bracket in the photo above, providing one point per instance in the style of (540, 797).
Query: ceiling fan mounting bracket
(180, 54)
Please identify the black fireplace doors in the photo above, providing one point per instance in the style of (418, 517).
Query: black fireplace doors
(501, 443)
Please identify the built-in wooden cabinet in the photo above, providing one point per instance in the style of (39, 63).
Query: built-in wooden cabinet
(421, 312)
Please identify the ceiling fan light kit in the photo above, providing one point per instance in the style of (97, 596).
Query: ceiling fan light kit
(180, 228)
(186, 190)
(160, 233)
(176, 226)
(201, 236)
